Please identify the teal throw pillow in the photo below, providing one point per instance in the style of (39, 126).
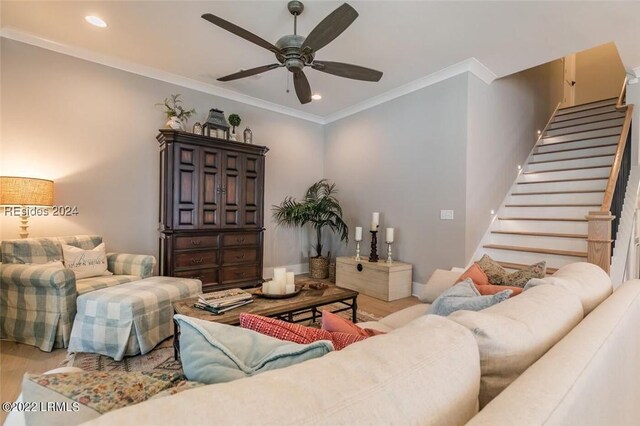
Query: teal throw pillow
(464, 296)
(214, 353)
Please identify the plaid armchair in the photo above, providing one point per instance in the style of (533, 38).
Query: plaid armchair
(38, 301)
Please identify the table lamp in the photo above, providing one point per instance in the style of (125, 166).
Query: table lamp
(23, 191)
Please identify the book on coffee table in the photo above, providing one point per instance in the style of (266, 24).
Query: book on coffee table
(223, 309)
(224, 298)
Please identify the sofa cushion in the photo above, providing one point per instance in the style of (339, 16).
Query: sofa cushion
(513, 334)
(499, 276)
(586, 280)
(298, 333)
(87, 285)
(426, 373)
(439, 281)
(401, 318)
(465, 296)
(214, 353)
(43, 250)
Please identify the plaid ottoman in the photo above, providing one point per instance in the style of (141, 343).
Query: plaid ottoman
(130, 318)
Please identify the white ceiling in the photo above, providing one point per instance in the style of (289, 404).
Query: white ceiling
(407, 40)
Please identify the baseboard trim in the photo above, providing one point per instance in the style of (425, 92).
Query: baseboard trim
(298, 268)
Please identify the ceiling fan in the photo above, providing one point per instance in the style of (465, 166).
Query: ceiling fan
(296, 52)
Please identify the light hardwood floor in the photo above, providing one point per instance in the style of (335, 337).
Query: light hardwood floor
(17, 359)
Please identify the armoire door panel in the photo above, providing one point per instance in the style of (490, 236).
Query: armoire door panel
(186, 184)
(210, 200)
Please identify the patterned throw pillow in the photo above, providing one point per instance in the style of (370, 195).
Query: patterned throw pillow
(499, 276)
(465, 296)
(295, 332)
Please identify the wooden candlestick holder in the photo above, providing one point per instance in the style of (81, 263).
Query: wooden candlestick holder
(373, 257)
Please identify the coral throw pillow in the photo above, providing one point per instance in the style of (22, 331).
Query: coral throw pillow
(335, 323)
(476, 274)
(491, 289)
(295, 332)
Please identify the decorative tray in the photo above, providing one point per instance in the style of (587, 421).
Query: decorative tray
(259, 293)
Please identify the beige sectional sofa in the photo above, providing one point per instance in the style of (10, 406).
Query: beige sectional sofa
(530, 360)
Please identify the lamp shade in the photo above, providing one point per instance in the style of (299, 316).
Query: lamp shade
(21, 191)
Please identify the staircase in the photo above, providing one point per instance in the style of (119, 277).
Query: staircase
(564, 178)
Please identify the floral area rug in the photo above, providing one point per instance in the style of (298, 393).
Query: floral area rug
(161, 358)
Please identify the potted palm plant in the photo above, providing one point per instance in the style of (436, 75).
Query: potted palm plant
(321, 209)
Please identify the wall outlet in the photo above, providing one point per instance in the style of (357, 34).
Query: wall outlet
(446, 214)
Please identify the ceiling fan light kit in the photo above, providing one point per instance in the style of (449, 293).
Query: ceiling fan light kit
(295, 52)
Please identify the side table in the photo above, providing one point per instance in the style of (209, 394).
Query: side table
(385, 281)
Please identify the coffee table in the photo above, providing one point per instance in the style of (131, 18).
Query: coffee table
(306, 302)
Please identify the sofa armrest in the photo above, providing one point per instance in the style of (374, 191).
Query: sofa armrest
(40, 276)
(141, 265)
(439, 281)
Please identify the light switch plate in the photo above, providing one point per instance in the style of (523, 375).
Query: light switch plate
(446, 214)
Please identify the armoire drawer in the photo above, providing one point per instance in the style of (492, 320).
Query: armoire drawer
(240, 273)
(239, 255)
(197, 259)
(207, 276)
(196, 242)
(240, 239)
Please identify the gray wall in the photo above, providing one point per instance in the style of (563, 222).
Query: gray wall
(503, 119)
(92, 130)
(405, 159)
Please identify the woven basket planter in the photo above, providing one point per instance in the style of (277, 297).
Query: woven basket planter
(318, 267)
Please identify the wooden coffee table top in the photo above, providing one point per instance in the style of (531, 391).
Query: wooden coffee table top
(306, 299)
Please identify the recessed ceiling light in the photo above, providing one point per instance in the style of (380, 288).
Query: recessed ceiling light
(316, 97)
(94, 20)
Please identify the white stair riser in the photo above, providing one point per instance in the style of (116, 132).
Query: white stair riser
(568, 164)
(591, 134)
(611, 149)
(587, 126)
(576, 244)
(541, 226)
(592, 105)
(566, 174)
(553, 261)
(570, 212)
(584, 113)
(542, 148)
(587, 119)
(587, 197)
(562, 186)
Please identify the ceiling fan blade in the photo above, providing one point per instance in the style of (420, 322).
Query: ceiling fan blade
(330, 27)
(248, 73)
(355, 72)
(240, 32)
(303, 89)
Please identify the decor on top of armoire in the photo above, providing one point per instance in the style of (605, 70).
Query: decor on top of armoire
(211, 210)
(248, 135)
(177, 116)
(197, 128)
(216, 125)
(234, 120)
(321, 209)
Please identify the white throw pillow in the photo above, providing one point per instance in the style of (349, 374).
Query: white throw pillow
(440, 281)
(86, 263)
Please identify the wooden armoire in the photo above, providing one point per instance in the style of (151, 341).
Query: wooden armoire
(211, 210)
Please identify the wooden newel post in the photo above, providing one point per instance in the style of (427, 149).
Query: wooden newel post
(599, 239)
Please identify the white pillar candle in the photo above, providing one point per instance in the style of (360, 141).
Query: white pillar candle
(283, 287)
(358, 233)
(389, 235)
(265, 287)
(290, 288)
(279, 274)
(375, 221)
(291, 277)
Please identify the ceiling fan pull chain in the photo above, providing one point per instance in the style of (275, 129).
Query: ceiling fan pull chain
(288, 75)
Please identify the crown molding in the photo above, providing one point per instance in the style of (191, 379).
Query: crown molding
(471, 65)
(146, 71)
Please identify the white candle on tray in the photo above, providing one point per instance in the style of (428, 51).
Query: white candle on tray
(290, 288)
(279, 274)
(265, 287)
(389, 235)
(358, 233)
(291, 277)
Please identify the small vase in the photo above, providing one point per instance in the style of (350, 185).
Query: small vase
(174, 123)
(248, 135)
